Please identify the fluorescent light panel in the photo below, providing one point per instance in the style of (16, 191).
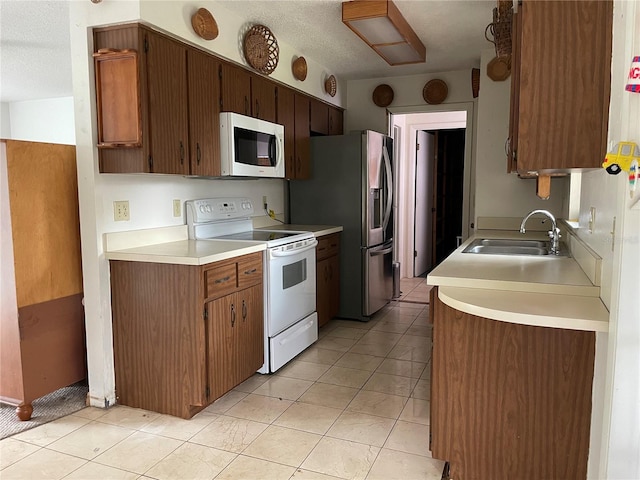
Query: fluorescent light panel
(381, 25)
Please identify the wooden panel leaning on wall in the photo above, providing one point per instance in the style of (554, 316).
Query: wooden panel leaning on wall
(45, 230)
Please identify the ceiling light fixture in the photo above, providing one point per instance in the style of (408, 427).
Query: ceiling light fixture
(381, 25)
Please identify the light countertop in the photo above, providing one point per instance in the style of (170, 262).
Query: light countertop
(186, 252)
(531, 290)
(171, 245)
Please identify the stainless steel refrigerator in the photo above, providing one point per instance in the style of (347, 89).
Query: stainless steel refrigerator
(352, 185)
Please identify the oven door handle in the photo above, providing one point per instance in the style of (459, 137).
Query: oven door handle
(289, 253)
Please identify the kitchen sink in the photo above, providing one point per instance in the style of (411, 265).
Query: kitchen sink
(495, 246)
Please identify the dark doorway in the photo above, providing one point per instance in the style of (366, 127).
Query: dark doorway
(448, 191)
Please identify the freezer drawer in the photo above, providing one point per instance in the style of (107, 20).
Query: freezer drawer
(378, 277)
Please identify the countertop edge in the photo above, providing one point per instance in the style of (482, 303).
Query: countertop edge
(518, 308)
(192, 258)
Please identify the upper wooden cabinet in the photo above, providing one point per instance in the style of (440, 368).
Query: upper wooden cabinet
(336, 122)
(324, 119)
(179, 106)
(302, 137)
(286, 117)
(319, 117)
(263, 98)
(561, 68)
(235, 85)
(159, 102)
(247, 94)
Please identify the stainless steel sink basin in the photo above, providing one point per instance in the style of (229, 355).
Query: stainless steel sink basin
(494, 246)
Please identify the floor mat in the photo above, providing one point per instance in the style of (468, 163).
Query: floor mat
(45, 409)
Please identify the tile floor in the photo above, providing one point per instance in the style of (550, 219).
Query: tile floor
(353, 406)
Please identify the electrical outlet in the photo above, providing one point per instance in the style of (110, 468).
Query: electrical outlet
(121, 210)
(177, 208)
(592, 219)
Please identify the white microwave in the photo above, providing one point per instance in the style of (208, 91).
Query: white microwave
(250, 147)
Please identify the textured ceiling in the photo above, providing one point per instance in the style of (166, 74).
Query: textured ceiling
(35, 53)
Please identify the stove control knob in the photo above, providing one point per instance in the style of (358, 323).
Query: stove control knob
(201, 208)
(208, 208)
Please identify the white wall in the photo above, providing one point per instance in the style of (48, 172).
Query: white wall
(48, 121)
(363, 114)
(5, 121)
(616, 418)
(175, 18)
(498, 193)
(150, 196)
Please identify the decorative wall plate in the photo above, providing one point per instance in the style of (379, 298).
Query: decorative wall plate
(331, 85)
(204, 24)
(261, 49)
(435, 91)
(382, 95)
(299, 69)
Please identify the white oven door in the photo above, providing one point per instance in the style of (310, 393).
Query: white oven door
(291, 287)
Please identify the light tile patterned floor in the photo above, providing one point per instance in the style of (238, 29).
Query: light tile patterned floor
(353, 406)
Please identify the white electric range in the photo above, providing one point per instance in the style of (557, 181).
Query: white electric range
(290, 319)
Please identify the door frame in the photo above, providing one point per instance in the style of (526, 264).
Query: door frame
(407, 170)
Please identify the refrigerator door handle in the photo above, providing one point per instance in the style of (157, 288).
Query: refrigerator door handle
(374, 253)
(389, 182)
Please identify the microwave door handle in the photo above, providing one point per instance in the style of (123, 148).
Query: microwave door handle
(273, 151)
(387, 167)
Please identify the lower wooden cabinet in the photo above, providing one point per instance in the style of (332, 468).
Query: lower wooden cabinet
(509, 400)
(185, 335)
(234, 339)
(327, 277)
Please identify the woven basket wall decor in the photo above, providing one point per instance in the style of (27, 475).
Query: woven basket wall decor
(331, 85)
(261, 49)
(204, 24)
(500, 28)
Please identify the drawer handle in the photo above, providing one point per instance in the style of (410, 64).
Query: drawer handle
(252, 271)
(223, 279)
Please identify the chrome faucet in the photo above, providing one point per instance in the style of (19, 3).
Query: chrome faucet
(554, 233)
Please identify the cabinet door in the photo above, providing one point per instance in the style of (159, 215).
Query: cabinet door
(249, 353)
(512, 141)
(302, 136)
(158, 337)
(168, 109)
(126, 160)
(204, 113)
(323, 291)
(263, 98)
(222, 322)
(319, 117)
(286, 116)
(235, 85)
(334, 286)
(564, 84)
(336, 126)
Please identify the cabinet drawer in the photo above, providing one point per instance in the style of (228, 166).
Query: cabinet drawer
(250, 270)
(220, 280)
(328, 246)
